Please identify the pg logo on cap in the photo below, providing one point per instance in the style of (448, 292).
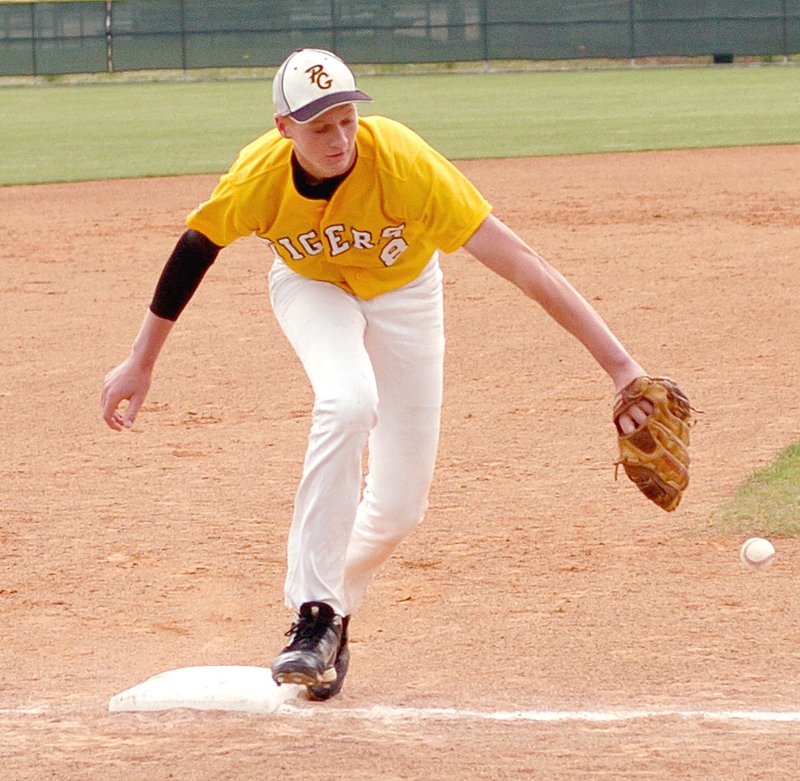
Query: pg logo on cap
(317, 75)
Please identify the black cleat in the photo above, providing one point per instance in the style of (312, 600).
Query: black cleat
(325, 691)
(310, 657)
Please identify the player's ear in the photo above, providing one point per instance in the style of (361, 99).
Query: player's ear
(282, 125)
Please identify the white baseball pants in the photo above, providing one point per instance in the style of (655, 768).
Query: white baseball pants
(375, 367)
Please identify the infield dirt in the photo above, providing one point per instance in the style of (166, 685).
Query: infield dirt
(535, 583)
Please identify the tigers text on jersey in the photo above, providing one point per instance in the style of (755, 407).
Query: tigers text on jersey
(400, 203)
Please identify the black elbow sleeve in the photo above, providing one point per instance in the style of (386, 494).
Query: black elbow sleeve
(182, 274)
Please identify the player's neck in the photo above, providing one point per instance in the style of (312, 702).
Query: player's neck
(311, 186)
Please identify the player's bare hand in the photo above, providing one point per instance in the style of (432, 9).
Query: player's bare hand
(127, 382)
(635, 416)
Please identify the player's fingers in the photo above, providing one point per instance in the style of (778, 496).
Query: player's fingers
(634, 417)
(109, 408)
(639, 412)
(135, 403)
(626, 424)
(113, 421)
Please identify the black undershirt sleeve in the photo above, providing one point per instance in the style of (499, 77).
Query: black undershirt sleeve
(182, 274)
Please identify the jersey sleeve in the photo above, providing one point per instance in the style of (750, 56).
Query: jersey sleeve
(226, 215)
(452, 207)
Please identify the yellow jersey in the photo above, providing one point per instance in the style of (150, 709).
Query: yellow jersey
(400, 203)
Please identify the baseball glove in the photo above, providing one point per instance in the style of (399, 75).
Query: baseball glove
(655, 456)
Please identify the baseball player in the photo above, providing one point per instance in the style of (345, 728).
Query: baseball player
(353, 212)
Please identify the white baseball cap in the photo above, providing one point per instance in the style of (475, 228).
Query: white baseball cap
(311, 81)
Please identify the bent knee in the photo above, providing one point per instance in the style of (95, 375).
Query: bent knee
(354, 408)
(398, 519)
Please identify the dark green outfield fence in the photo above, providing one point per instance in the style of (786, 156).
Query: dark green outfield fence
(124, 35)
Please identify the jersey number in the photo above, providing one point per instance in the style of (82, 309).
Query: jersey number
(394, 248)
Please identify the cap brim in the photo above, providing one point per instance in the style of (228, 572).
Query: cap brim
(316, 107)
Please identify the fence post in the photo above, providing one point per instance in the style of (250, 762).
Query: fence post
(485, 31)
(34, 66)
(182, 5)
(334, 36)
(109, 39)
(785, 33)
(632, 31)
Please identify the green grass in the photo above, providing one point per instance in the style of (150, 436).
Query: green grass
(94, 131)
(65, 133)
(520, 114)
(768, 503)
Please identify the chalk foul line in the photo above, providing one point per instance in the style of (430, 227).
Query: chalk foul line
(399, 713)
(407, 714)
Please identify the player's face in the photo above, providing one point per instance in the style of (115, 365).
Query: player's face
(326, 146)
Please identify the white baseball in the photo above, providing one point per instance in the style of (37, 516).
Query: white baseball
(757, 553)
